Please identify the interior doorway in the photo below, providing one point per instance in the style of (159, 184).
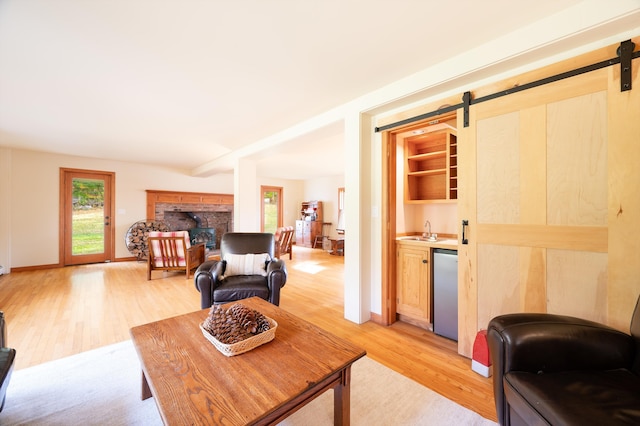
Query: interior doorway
(393, 198)
(86, 216)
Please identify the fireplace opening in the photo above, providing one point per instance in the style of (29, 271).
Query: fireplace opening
(203, 226)
(203, 235)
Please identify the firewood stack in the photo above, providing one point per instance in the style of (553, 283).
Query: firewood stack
(136, 238)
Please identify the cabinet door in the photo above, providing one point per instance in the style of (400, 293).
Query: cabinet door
(300, 232)
(413, 286)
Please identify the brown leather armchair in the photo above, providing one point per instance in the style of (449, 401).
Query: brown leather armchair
(7, 356)
(217, 284)
(560, 370)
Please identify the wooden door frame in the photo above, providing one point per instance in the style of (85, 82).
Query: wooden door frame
(388, 210)
(62, 226)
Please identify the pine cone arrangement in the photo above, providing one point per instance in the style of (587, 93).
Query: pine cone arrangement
(234, 324)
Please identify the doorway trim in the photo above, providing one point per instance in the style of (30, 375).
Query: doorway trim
(388, 212)
(110, 179)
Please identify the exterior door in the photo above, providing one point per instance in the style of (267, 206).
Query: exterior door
(271, 208)
(86, 216)
(547, 183)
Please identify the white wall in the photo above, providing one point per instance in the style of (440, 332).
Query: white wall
(325, 190)
(33, 200)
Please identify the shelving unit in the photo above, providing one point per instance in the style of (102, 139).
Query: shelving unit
(310, 224)
(431, 166)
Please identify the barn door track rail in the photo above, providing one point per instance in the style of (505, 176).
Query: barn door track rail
(625, 57)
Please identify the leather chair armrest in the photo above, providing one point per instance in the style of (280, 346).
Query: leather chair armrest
(3, 331)
(7, 357)
(552, 343)
(546, 343)
(205, 279)
(276, 279)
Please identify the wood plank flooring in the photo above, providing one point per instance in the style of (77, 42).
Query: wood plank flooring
(53, 313)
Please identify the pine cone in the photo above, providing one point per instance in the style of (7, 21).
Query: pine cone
(263, 323)
(234, 324)
(244, 316)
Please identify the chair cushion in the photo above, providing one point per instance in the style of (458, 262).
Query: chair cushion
(241, 287)
(245, 264)
(180, 248)
(575, 397)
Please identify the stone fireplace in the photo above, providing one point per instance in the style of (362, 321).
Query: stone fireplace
(207, 216)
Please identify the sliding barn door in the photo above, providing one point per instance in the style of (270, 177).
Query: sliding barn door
(548, 184)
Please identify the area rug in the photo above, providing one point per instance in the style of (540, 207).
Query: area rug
(102, 387)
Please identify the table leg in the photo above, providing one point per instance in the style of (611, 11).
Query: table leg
(146, 390)
(342, 399)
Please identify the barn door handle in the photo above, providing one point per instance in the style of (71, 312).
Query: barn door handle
(465, 223)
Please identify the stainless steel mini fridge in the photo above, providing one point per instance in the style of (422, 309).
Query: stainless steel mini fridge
(445, 293)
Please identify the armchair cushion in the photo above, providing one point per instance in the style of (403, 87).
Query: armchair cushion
(245, 264)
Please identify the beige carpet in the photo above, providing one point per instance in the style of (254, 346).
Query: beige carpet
(102, 387)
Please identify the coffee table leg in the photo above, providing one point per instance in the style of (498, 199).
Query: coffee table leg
(146, 390)
(342, 400)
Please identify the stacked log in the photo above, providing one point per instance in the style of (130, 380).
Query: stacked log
(137, 235)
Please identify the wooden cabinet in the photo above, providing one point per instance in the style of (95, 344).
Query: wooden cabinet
(431, 166)
(306, 232)
(310, 224)
(413, 284)
(311, 210)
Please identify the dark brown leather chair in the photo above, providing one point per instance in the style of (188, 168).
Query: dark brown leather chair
(216, 285)
(560, 370)
(7, 357)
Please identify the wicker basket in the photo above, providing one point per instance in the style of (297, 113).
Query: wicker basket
(244, 345)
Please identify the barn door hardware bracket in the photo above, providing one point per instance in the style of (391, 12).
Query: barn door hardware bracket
(466, 101)
(625, 52)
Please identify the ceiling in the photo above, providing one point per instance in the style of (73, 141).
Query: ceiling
(181, 83)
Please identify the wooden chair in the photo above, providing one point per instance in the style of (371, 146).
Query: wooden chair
(172, 251)
(284, 237)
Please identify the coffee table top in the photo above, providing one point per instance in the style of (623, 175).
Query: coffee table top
(194, 383)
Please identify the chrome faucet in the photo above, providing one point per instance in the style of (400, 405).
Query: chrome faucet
(427, 224)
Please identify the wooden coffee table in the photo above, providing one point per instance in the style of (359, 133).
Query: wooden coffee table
(193, 383)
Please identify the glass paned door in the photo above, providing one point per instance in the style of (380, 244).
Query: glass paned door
(271, 208)
(87, 217)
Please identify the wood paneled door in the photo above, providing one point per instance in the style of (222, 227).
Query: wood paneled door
(86, 216)
(548, 184)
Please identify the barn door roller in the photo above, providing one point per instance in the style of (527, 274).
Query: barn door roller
(625, 52)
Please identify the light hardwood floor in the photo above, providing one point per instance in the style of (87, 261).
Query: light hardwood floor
(53, 313)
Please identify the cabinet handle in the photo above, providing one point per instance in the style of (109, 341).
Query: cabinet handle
(424, 260)
(465, 223)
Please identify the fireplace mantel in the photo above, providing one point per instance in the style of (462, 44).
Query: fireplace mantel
(196, 198)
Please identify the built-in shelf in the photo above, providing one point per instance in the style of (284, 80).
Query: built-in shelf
(432, 165)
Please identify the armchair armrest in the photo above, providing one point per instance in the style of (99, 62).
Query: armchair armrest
(551, 343)
(205, 279)
(547, 343)
(276, 279)
(3, 331)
